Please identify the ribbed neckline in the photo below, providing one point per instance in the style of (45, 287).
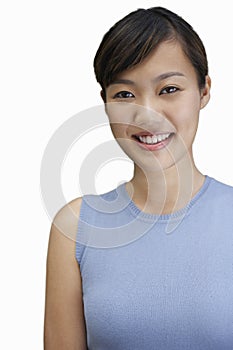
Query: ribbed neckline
(163, 217)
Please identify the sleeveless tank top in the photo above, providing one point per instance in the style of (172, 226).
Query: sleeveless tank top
(157, 282)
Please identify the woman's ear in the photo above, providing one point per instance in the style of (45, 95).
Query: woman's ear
(103, 95)
(205, 92)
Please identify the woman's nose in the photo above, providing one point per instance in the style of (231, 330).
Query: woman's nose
(148, 112)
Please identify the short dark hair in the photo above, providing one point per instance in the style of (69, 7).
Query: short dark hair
(134, 37)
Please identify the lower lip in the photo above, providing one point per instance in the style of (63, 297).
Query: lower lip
(157, 146)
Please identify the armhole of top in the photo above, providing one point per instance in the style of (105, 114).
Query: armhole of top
(79, 246)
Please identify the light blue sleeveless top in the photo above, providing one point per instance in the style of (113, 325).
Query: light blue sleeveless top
(157, 282)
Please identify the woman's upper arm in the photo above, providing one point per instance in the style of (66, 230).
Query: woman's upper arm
(64, 325)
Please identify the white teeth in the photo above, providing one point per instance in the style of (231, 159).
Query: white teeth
(153, 139)
(149, 139)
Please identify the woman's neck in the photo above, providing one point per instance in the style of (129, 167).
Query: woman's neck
(164, 192)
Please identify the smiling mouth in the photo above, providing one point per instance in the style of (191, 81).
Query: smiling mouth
(152, 139)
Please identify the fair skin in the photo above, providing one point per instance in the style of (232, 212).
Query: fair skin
(165, 90)
(177, 110)
(64, 324)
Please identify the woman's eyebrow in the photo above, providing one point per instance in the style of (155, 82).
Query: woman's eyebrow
(160, 77)
(166, 75)
(122, 81)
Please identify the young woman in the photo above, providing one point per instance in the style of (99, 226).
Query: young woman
(151, 264)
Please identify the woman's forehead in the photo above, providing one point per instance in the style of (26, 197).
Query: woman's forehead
(168, 60)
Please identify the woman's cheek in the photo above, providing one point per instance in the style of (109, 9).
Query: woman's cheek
(118, 129)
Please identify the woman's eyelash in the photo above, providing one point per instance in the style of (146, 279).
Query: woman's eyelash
(124, 94)
(127, 94)
(169, 90)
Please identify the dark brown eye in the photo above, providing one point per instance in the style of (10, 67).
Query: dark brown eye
(169, 90)
(124, 94)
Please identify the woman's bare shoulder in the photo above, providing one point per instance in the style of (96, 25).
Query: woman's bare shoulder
(64, 304)
(66, 219)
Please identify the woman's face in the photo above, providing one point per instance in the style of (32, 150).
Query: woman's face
(153, 108)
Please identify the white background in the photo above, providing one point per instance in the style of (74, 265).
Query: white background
(47, 49)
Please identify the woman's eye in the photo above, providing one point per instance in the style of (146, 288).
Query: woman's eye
(124, 94)
(168, 90)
